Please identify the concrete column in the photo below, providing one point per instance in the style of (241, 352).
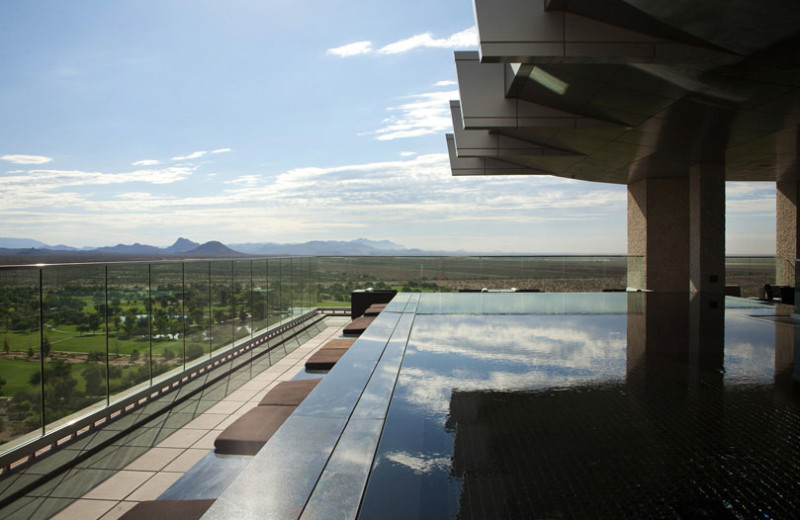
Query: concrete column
(707, 228)
(786, 240)
(658, 234)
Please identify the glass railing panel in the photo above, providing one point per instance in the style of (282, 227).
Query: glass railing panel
(311, 282)
(128, 326)
(274, 296)
(296, 281)
(285, 305)
(338, 276)
(300, 301)
(750, 273)
(333, 275)
(222, 304)
(73, 343)
(303, 283)
(242, 299)
(20, 361)
(197, 302)
(309, 285)
(260, 295)
(168, 311)
(430, 272)
(456, 274)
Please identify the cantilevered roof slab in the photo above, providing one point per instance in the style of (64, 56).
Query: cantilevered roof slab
(632, 88)
(472, 166)
(513, 31)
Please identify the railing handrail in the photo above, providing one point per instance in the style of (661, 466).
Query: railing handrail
(151, 261)
(245, 257)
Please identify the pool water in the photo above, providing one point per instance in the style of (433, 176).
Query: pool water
(533, 406)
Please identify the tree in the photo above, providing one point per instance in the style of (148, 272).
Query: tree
(2, 384)
(162, 324)
(134, 356)
(219, 315)
(194, 351)
(142, 326)
(94, 322)
(60, 388)
(94, 375)
(45, 346)
(6, 345)
(25, 408)
(130, 321)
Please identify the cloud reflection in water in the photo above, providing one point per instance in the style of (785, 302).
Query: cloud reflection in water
(508, 352)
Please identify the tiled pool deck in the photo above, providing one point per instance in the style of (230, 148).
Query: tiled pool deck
(152, 459)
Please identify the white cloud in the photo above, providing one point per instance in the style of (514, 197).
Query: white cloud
(146, 162)
(351, 49)
(136, 195)
(462, 39)
(26, 159)
(221, 150)
(246, 180)
(408, 154)
(750, 198)
(38, 188)
(193, 155)
(428, 113)
(445, 83)
(756, 206)
(459, 40)
(745, 189)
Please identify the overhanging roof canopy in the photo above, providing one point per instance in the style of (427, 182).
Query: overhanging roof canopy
(615, 91)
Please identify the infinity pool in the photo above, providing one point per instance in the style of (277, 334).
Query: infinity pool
(529, 405)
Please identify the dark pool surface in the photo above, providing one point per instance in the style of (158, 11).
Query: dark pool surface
(528, 405)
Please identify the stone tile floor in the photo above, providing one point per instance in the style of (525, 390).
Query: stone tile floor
(158, 467)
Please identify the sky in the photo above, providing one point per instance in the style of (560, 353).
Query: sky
(273, 121)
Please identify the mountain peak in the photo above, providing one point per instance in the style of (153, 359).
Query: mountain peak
(182, 245)
(383, 245)
(212, 249)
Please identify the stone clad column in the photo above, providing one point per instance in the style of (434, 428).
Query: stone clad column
(658, 234)
(707, 228)
(786, 242)
(786, 195)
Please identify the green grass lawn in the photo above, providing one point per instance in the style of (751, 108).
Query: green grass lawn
(17, 373)
(333, 303)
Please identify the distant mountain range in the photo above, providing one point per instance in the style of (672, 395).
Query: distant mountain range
(359, 247)
(25, 250)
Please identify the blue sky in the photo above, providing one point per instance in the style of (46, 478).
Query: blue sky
(272, 121)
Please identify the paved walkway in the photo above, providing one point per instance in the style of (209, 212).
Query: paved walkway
(147, 477)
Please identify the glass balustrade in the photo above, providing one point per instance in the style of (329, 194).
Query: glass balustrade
(78, 337)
